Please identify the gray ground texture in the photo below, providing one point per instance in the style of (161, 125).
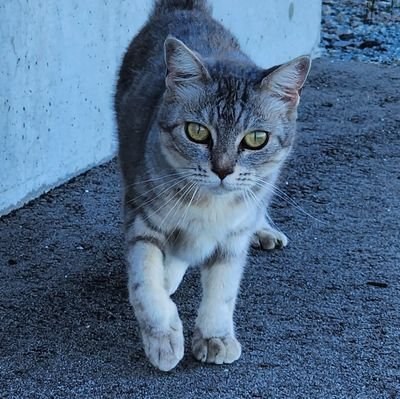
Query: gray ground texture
(319, 319)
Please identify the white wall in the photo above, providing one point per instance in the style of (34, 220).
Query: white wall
(273, 31)
(58, 62)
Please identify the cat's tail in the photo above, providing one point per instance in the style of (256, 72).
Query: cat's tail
(162, 7)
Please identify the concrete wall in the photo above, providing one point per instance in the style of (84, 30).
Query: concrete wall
(57, 74)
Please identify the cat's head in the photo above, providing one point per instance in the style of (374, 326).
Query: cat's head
(225, 123)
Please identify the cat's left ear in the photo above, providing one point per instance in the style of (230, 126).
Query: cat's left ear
(287, 80)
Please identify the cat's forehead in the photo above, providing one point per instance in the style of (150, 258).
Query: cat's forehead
(231, 102)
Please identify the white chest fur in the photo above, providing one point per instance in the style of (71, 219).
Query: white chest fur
(208, 225)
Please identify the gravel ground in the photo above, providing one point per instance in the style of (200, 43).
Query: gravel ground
(319, 319)
(353, 31)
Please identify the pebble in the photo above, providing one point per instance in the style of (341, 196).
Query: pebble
(369, 44)
(346, 36)
(351, 32)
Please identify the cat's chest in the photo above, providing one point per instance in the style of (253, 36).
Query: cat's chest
(215, 218)
(205, 228)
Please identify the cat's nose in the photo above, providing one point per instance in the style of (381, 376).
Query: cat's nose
(222, 172)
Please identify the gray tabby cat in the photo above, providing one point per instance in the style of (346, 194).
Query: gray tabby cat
(203, 133)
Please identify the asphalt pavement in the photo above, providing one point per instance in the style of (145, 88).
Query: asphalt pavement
(319, 319)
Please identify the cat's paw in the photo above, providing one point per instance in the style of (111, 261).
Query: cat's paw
(269, 239)
(216, 350)
(164, 349)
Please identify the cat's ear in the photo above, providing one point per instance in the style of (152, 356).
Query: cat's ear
(287, 80)
(184, 67)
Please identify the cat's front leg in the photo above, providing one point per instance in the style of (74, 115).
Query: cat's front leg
(214, 338)
(267, 237)
(160, 325)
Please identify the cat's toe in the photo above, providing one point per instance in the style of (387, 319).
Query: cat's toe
(216, 350)
(164, 349)
(268, 239)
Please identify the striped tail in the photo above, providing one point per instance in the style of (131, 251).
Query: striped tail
(162, 7)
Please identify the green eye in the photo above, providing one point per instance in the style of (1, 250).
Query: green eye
(197, 133)
(255, 140)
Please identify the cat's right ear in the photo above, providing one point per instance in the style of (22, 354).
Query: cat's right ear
(184, 67)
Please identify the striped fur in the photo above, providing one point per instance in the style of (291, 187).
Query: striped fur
(178, 210)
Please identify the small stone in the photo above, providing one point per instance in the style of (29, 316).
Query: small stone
(391, 99)
(346, 36)
(378, 284)
(369, 44)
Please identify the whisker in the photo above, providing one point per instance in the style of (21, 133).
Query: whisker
(176, 174)
(164, 204)
(271, 222)
(282, 195)
(266, 215)
(187, 168)
(246, 198)
(180, 201)
(190, 203)
(187, 189)
(256, 200)
(175, 182)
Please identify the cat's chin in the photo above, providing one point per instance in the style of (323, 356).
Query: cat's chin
(221, 189)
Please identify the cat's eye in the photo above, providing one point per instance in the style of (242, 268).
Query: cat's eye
(255, 140)
(197, 133)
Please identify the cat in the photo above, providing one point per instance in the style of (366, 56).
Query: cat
(203, 133)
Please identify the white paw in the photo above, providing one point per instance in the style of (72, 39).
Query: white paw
(269, 238)
(216, 350)
(164, 349)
